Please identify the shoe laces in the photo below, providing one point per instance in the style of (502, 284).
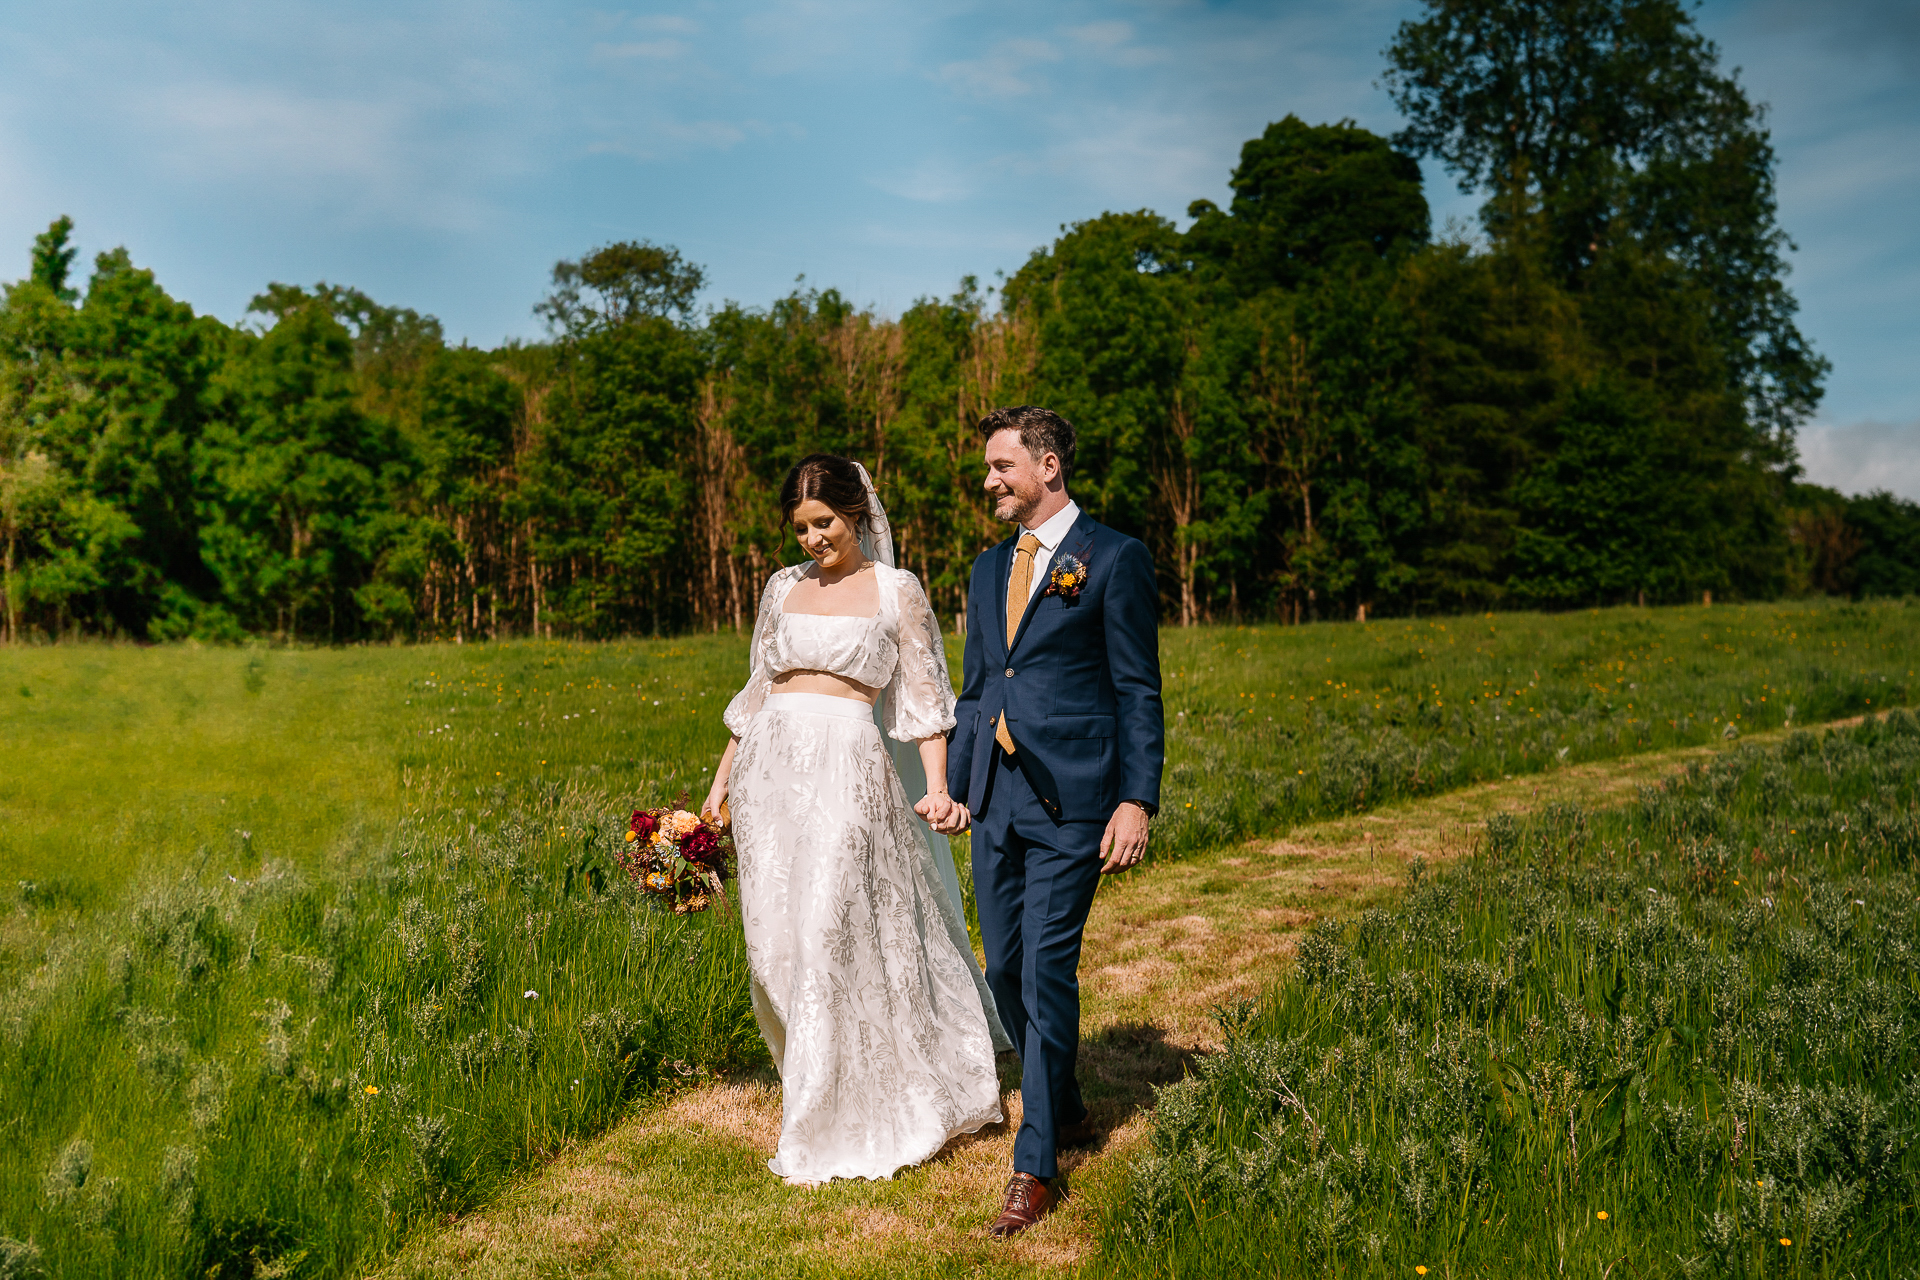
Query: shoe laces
(1020, 1192)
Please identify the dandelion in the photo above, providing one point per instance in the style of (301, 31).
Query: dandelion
(372, 1089)
(1602, 1215)
(1419, 1271)
(1784, 1242)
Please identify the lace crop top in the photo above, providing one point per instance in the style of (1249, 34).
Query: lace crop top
(898, 650)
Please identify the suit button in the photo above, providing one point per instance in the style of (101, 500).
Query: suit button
(1009, 673)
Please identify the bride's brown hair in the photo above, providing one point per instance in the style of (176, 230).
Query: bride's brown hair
(830, 479)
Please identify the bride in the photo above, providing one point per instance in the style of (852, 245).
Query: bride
(864, 981)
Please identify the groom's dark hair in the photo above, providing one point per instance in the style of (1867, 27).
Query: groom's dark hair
(1042, 431)
(831, 479)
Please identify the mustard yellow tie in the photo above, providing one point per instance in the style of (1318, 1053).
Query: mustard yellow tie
(1019, 586)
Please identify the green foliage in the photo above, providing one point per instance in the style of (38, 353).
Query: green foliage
(1305, 407)
(1614, 116)
(1307, 199)
(53, 257)
(1677, 1036)
(618, 284)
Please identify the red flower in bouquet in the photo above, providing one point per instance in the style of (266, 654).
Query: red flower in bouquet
(643, 825)
(702, 846)
(677, 858)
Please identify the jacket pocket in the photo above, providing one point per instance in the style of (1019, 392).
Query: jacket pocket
(1070, 727)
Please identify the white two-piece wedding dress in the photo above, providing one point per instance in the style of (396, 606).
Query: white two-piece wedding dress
(864, 982)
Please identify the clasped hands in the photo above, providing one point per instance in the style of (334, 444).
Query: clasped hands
(1122, 846)
(943, 813)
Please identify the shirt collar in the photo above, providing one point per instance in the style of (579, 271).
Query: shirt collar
(1054, 531)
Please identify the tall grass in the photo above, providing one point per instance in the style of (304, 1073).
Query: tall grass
(273, 1074)
(1272, 726)
(1679, 1038)
(249, 885)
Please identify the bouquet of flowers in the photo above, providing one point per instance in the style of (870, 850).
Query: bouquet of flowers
(678, 858)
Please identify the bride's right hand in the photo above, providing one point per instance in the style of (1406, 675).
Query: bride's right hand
(710, 811)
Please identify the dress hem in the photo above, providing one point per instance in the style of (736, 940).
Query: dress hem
(998, 1117)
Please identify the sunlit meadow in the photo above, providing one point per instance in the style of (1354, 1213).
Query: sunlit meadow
(275, 914)
(1673, 1039)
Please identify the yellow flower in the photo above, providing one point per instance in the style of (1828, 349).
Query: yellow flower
(1602, 1215)
(635, 835)
(1784, 1241)
(1419, 1271)
(372, 1089)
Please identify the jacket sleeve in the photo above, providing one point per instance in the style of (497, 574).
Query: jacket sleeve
(1133, 650)
(972, 678)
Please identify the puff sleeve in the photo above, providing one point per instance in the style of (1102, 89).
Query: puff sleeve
(919, 696)
(746, 703)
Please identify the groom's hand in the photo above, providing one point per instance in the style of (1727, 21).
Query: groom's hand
(942, 813)
(1125, 841)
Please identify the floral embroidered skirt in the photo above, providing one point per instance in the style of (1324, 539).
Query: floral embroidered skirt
(872, 1012)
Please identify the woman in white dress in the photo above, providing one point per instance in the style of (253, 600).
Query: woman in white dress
(864, 982)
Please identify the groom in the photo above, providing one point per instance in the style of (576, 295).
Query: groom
(1057, 757)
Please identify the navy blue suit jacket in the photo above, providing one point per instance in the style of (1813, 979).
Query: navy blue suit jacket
(1080, 685)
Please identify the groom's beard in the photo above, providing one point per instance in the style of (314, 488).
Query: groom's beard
(1012, 509)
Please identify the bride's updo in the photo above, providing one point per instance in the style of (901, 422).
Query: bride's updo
(830, 479)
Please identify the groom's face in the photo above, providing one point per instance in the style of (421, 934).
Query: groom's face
(1015, 481)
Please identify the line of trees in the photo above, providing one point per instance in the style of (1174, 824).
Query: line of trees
(1305, 402)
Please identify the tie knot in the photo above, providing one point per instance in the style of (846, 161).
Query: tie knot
(1029, 543)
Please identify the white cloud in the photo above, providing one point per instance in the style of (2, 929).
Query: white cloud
(664, 137)
(928, 181)
(1863, 456)
(1103, 35)
(1003, 73)
(370, 157)
(657, 50)
(1112, 42)
(665, 22)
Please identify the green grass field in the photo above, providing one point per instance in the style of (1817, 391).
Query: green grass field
(1673, 1039)
(275, 912)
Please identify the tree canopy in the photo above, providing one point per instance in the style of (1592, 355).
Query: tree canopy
(1304, 403)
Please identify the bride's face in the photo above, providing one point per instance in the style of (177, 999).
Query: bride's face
(826, 537)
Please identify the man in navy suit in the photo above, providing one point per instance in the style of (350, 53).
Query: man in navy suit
(1057, 758)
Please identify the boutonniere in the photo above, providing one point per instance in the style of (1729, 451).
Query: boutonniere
(1069, 576)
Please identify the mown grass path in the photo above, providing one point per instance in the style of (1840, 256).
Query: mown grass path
(682, 1188)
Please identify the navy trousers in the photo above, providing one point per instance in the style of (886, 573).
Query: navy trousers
(1033, 882)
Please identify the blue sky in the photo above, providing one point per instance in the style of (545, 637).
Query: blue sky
(443, 156)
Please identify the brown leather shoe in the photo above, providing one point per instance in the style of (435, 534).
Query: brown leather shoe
(1028, 1200)
(1074, 1136)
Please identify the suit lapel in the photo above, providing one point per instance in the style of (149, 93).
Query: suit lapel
(1077, 543)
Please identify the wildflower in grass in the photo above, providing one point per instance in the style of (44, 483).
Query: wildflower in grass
(1784, 1242)
(1419, 1271)
(372, 1089)
(530, 994)
(1602, 1215)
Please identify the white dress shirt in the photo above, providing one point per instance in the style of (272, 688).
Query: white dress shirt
(1051, 535)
